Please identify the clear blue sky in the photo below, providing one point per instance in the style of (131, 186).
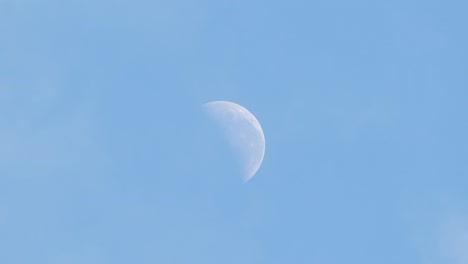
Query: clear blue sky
(106, 156)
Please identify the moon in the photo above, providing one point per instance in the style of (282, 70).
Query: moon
(243, 132)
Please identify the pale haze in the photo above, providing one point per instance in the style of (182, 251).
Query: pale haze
(107, 157)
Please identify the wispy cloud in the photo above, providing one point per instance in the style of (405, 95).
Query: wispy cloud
(441, 232)
(453, 235)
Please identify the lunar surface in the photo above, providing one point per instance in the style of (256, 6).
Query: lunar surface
(243, 132)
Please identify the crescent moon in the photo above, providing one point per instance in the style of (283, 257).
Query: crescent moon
(243, 132)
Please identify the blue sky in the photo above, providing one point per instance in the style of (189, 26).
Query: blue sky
(106, 156)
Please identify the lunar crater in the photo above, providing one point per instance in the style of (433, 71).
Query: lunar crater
(243, 132)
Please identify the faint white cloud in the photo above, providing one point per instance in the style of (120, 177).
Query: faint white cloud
(441, 232)
(453, 235)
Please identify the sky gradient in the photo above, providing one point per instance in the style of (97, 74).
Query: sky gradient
(107, 157)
